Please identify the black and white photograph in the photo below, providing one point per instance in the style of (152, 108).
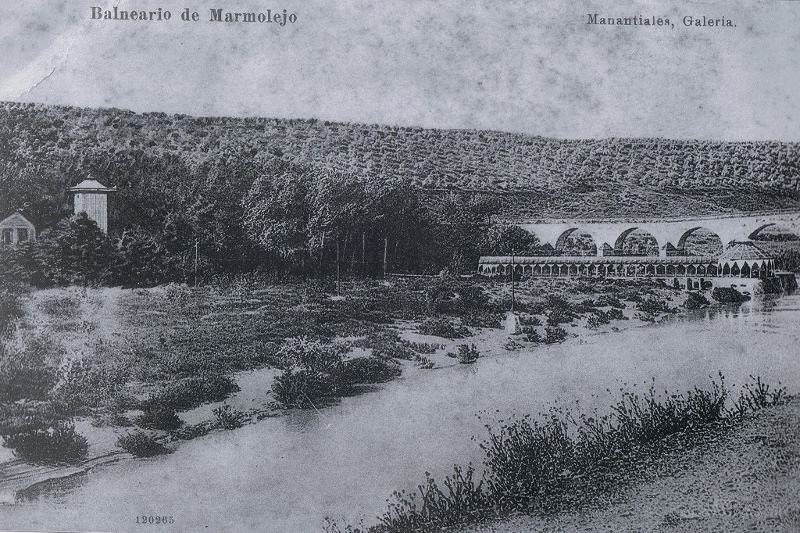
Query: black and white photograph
(407, 266)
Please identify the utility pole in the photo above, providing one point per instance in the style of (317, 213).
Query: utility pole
(196, 257)
(385, 248)
(338, 278)
(363, 250)
(512, 281)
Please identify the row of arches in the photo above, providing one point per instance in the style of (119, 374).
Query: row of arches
(636, 241)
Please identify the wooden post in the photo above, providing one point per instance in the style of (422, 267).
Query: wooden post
(196, 257)
(321, 250)
(512, 281)
(385, 248)
(338, 278)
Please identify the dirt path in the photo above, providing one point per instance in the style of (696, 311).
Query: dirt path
(743, 479)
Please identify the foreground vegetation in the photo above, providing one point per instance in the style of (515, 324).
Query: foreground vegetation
(142, 357)
(559, 460)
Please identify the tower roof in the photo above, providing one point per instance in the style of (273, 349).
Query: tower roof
(743, 251)
(92, 186)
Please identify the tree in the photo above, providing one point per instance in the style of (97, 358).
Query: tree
(502, 238)
(277, 212)
(75, 252)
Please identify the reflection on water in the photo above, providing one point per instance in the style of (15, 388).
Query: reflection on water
(288, 473)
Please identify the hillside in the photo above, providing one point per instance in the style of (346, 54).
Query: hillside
(606, 177)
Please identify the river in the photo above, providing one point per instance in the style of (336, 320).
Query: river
(288, 473)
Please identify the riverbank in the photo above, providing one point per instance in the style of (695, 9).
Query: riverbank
(150, 340)
(740, 478)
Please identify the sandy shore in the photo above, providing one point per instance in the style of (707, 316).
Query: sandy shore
(744, 478)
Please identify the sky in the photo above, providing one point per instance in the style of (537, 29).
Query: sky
(535, 67)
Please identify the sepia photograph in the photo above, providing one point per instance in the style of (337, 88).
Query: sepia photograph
(410, 266)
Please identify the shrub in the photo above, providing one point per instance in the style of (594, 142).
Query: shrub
(228, 418)
(310, 355)
(529, 320)
(302, 388)
(616, 314)
(533, 336)
(467, 354)
(597, 319)
(654, 306)
(554, 335)
(441, 327)
(190, 393)
(86, 385)
(757, 395)
(695, 300)
(610, 301)
(58, 444)
(10, 308)
(27, 367)
(464, 501)
(141, 444)
(161, 418)
(387, 345)
(367, 370)
(728, 295)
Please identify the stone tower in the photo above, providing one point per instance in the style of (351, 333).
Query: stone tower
(91, 197)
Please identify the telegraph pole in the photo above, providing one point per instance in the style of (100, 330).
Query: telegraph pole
(512, 281)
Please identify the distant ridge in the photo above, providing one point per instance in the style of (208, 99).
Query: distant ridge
(546, 177)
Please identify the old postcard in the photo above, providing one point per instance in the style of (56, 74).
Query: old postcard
(399, 266)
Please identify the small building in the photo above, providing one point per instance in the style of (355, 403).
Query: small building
(744, 259)
(91, 197)
(16, 229)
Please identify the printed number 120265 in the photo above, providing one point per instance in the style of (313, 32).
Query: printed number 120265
(148, 519)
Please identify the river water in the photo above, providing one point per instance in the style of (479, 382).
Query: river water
(288, 473)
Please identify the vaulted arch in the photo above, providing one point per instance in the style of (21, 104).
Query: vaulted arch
(576, 242)
(636, 241)
(700, 241)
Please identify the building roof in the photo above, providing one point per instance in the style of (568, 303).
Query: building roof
(591, 259)
(15, 220)
(744, 251)
(92, 185)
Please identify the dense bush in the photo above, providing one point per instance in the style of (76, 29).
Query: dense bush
(654, 306)
(227, 418)
(302, 353)
(86, 384)
(141, 444)
(695, 300)
(367, 370)
(606, 301)
(315, 372)
(554, 335)
(160, 418)
(10, 307)
(192, 392)
(467, 354)
(304, 388)
(28, 366)
(58, 444)
(442, 327)
(597, 319)
(728, 295)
